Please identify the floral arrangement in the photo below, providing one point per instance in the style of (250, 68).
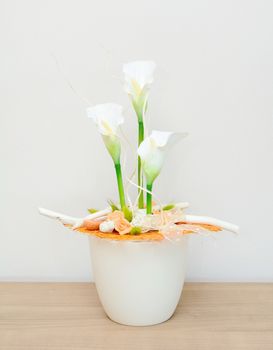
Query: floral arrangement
(145, 219)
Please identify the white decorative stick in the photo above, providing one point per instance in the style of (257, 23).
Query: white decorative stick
(101, 218)
(65, 219)
(211, 221)
(75, 222)
(95, 216)
(98, 214)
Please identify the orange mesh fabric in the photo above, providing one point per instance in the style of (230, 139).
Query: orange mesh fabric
(149, 236)
(204, 226)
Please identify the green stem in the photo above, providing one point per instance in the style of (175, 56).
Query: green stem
(120, 186)
(149, 199)
(139, 172)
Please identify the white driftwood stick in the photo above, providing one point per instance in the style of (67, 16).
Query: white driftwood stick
(95, 216)
(101, 218)
(75, 222)
(211, 221)
(65, 219)
(98, 214)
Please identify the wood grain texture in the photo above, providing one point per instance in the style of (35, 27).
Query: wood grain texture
(58, 316)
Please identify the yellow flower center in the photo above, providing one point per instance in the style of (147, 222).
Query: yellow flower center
(107, 127)
(136, 87)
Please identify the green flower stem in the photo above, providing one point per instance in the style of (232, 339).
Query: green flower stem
(120, 186)
(149, 199)
(139, 172)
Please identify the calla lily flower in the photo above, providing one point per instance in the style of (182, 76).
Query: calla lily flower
(108, 117)
(138, 78)
(152, 152)
(153, 149)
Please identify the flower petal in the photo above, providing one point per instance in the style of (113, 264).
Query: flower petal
(146, 148)
(107, 117)
(153, 149)
(166, 138)
(152, 158)
(138, 74)
(113, 146)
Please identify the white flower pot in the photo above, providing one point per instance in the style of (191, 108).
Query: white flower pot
(139, 283)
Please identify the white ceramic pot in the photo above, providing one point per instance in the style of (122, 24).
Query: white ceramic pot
(139, 283)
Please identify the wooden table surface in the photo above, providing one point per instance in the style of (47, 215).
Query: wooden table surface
(58, 316)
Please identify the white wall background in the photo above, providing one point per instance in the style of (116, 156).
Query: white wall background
(214, 80)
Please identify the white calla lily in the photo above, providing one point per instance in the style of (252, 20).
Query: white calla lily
(108, 117)
(153, 149)
(138, 75)
(138, 78)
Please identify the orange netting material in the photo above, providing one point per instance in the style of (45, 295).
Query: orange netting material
(149, 236)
